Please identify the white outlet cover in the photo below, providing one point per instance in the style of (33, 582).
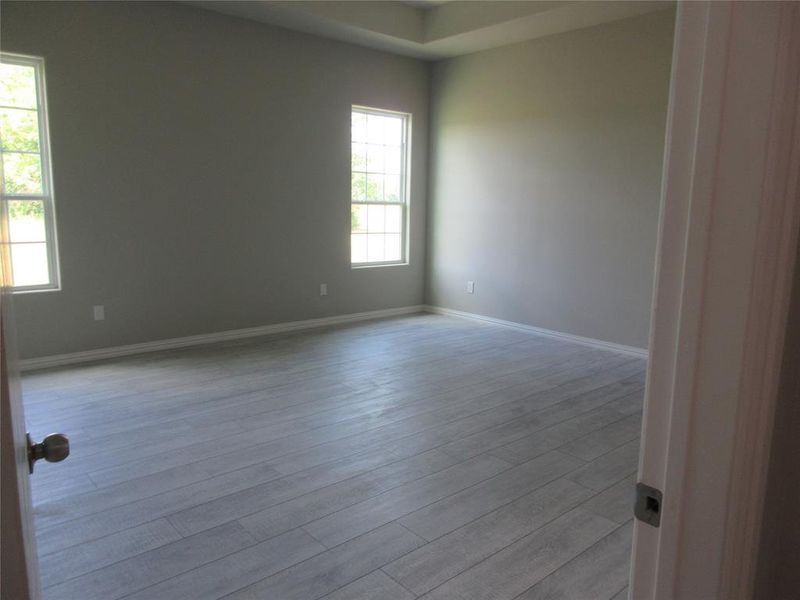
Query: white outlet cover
(470, 287)
(323, 289)
(99, 312)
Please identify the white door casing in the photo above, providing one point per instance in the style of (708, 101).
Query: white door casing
(725, 262)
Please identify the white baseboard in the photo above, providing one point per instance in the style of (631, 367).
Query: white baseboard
(567, 337)
(57, 360)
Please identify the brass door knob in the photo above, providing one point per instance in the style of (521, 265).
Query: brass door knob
(53, 448)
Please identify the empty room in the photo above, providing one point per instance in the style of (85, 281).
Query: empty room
(393, 300)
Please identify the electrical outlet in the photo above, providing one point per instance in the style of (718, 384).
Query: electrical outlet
(470, 287)
(99, 312)
(323, 289)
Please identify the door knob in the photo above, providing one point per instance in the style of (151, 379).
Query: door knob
(53, 448)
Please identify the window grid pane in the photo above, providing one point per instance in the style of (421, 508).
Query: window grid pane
(22, 173)
(378, 188)
(19, 130)
(26, 221)
(17, 85)
(29, 264)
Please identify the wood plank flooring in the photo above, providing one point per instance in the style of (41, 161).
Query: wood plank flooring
(419, 457)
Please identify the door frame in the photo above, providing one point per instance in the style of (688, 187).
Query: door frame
(725, 262)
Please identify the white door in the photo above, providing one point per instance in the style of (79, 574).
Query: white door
(727, 239)
(18, 556)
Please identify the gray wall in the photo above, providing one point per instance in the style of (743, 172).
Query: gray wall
(545, 174)
(201, 172)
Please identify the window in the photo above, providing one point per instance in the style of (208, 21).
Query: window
(27, 192)
(379, 191)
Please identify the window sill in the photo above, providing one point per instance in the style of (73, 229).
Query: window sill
(34, 290)
(358, 267)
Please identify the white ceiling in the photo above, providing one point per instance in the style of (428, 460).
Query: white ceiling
(433, 29)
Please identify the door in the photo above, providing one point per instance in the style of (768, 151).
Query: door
(18, 550)
(725, 261)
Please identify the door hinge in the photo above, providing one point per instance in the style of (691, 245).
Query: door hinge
(648, 504)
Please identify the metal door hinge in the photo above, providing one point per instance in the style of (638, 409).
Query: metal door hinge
(648, 504)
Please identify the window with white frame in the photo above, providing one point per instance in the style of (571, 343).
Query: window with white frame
(27, 191)
(379, 191)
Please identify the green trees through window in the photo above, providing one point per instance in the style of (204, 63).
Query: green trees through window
(26, 191)
(378, 186)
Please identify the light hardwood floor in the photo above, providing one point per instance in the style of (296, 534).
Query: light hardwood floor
(420, 457)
